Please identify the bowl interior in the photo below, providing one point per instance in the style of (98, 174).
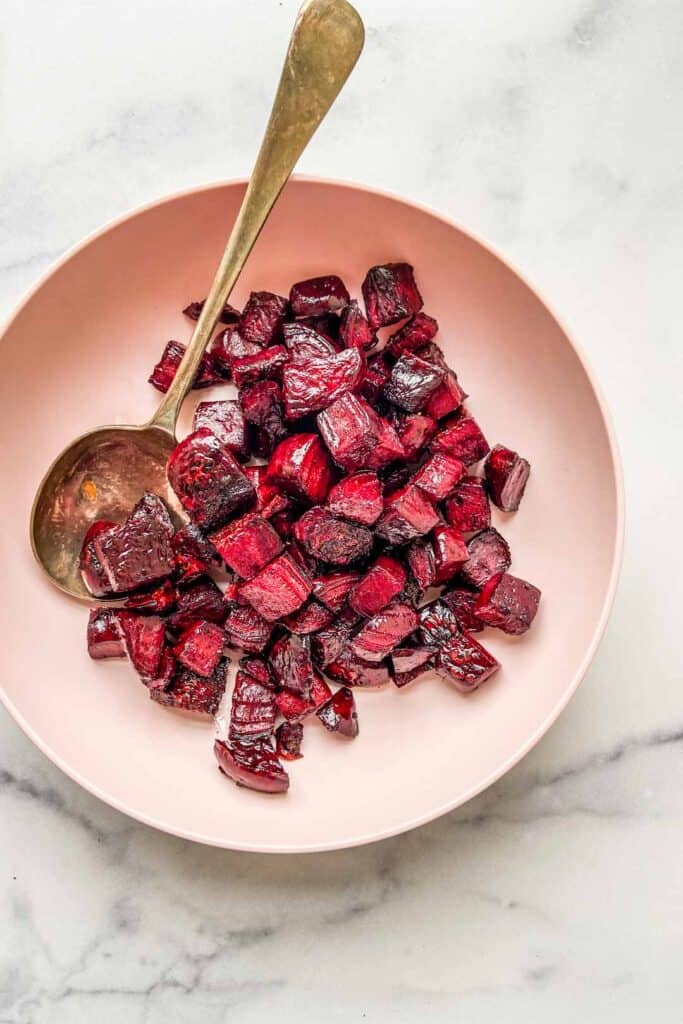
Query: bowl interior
(78, 354)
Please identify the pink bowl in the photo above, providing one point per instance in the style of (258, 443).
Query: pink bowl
(78, 352)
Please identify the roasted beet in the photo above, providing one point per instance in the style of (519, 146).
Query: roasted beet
(412, 381)
(301, 466)
(190, 692)
(415, 432)
(381, 584)
(349, 429)
(92, 570)
(446, 399)
(304, 342)
(138, 552)
(292, 706)
(159, 601)
(506, 475)
(354, 329)
(318, 295)
(310, 618)
(378, 637)
(463, 604)
(200, 648)
(228, 346)
(226, 420)
(390, 294)
(253, 764)
(407, 659)
(408, 514)
(288, 737)
(338, 714)
(465, 663)
(508, 603)
(262, 318)
(377, 376)
(165, 370)
(261, 404)
(326, 324)
(266, 364)
(416, 333)
(247, 544)
(438, 624)
(200, 602)
(144, 638)
(357, 497)
(310, 386)
(332, 590)
(104, 636)
(450, 552)
(327, 645)
(228, 315)
(467, 508)
(253, 708)
(387, 447)
(278, 590)
(208, 481)
(258, 669)
(422, 563)
(488, 555)
(332, 540)
(461, 438)
(351, 670)
(193, 553)
(247, 629)
(439, 475)
(291, 665)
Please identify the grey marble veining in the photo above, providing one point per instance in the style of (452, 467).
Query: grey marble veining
(555, 130)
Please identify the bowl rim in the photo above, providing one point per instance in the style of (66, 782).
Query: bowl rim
(601, 623)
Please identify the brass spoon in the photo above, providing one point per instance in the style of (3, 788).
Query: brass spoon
(103, 473)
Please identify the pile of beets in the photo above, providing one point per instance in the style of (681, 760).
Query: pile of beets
(338, 490)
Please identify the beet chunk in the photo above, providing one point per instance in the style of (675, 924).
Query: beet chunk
(288, 738)
(332, 540)
(228, 315)
(461, 438)
(508, 603)
(358, 497)
(390, 294)
(305, 342)
(489, 555)
(506, 476)
(467, 508)
(438, 624)
(190, 692)
(333, 590)
(165, 370)
(92, 571)
(318, 295)
(253, 764)
(465, 663)
(445, 399)
(200, 648)
(138, 552)
(310, 618)
(439, 475)
(405, 660)
(253, 708)
(226, 420)
(104, 637)
(262, 318)
(201, 602)
(159, 601)
(376, 378)
(351, 670)
(247, 629)
(338, 714)
(408, 514)
(416, 333)
(228, 346)
(463, 604)
(313, 385)
(266, 364)
(291, 665)
(262, 405)
(382, 583)
(422, 563)
(144, 639)
(258, 669)
(208, 481)
(384, 632)
(354, 330)
(278, 590)
(412, 381)
(349, 429)
(415, 432)
(450, 552)
(193, 553)
(301, 466)
(387, 448)
(247, 544)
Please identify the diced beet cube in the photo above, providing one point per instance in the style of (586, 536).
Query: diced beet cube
(412, 381)
(302, 558)
(228, 315)
(104, 636)
(318, 295)
(415, 432)
(381, 584)
(408, 514)
(291, 665)
(422, 563)
(406, 659)
(313, 385)
(461, 438)
(387, 448)
(378, 637)
(292, 706)
(200, 648)
(508, 603)
(351, 670)
(463, 605)
(247, 629)
(390, 294)
(467, 508)
(144, 639)
(506, 475)
(228, 346)
(439, 475)
(278, 590)
(465, 663)
(288, 737)
(438, 624)
(193, 553)
(327, 645)
(253, 708)
(92, 570)
(333, 590)
(258, 669)
(445, 399)
(326, 324)
(416, 333)
(450, 552)
(165, 370)
(166, 673)
(304, 342)
(159, 601)
(377, 376)
(201, 602)
(262, 318)
(261, 404)
(252, 764)
(247, 544)
(320, 690)
(431, 353)
(338, 714)
(354, 330)
(402, 679)
(190, 692)
(301, 466)
(285, 521)
(349, 429)
(310, 618)
(358, 497)
(226, 420)
(332, 540)
(266, 364)
(207, 480)
(488, 555)
(138, 552)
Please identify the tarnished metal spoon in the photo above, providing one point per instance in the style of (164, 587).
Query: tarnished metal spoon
(103, 473)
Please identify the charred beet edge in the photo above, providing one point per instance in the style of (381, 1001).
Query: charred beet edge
(310, 386)
(200, 648)
(390, 294)
(414, 335)
(262, 318)
(318, 295)
(190, 692)
(165, 370)
(202, 601)
(488, 554)
(136, 553)
(207, 480)
(339, 714)
(332, 540)
(227, 347)
(252, 763)
(288, 738)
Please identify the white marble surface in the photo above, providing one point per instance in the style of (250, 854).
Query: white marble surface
(553, 127)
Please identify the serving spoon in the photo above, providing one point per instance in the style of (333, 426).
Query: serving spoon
(104, 472)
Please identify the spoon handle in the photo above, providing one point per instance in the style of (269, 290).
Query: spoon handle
(326, 42)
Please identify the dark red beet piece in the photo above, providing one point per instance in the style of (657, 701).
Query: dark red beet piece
(285, 521)
(358, 497)
(291, 665)
(381, 584)
(338, 714)
(313, 385)
(200, 648)
(262, 318)
(310, 618)
(228, 346)
(165, 370)
(253, 708)
(304, 342)
(407, 659)
(258, 669)
(333, 590)
(104, 636)
(508, 603)
(384, 632)
(488, 555)
(506, 475)
(412, 381)
(247, 544)
(422, 563)
(354, 330)
(438, 624)
(138, 552)
(166, 673)
(92, 571)
(266, 364)
(467, 508)
(439, 475)
(326, 324)
(431, 353)
(262, 405)
(320, 690)
(408, 514)
(461, 438)
(402, 679)
(193, 553)
(463, 605)
(387, 448)
(226, 420)
(200, 602)
(208, 481)
(301, 466)
(332, 540)
(318, 295)
(465, 663)
(278, 590)
(190, 692)
(376, 378)
(419, 330)
(349, 429)
(351, 670)
(390, 294)
(450, 552)
(252, 764)
(159, 601)
(247, 629)
(144, 638)
(415, 432)
(292, 706)
(228, 315)
(445, 399)
(288, 737)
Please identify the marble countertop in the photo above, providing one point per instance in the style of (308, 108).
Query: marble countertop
(554, 129)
